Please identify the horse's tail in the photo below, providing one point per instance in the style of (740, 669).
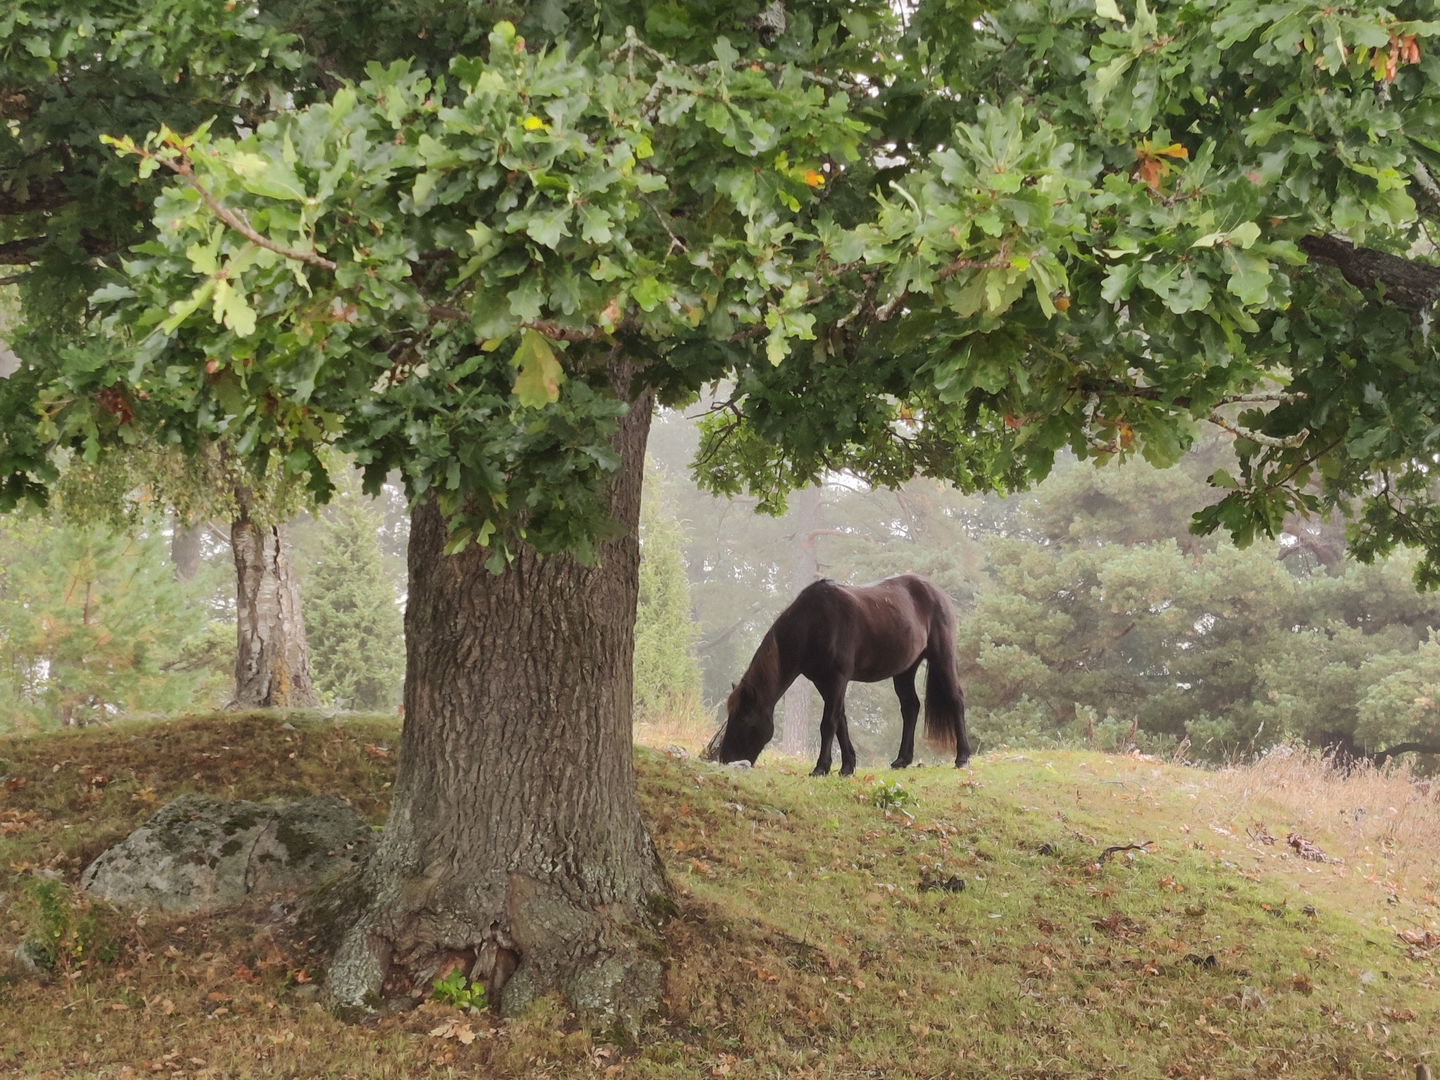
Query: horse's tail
(944, 698)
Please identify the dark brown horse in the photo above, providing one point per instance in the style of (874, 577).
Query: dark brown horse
(838, 634)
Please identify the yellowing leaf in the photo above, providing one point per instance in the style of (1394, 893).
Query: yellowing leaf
(1109, 9)
(534, 123)
(232, 309)
(1149, 171)
(538, 373)
(183, 308)
(247, 164)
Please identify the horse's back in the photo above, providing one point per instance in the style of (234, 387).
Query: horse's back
(869, 632)
(909, 593)
(928, 610)
(926, 598)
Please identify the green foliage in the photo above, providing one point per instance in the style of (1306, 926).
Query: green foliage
(424, 159)
(667, 670)
(892, 795)
(432, 262)
(457, 990)
(63, 935)
(93, 623)
(1399, 696)
(1106, 633)
(352, 619)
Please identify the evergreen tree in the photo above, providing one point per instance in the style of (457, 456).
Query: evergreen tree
(93, 624)
(357, 643)
(667, 670)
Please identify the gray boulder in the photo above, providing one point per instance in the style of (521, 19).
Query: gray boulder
(199, 852)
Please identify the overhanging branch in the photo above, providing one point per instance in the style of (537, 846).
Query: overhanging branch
(1407, 283)
(25, 251)
(20, 252)
(43, 199)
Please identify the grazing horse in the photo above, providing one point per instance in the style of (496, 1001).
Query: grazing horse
(837, 634)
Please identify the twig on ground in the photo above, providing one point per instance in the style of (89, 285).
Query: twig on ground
(1145, 847)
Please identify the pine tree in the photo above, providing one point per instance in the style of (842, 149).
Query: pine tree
(93, 625)
(357, 646)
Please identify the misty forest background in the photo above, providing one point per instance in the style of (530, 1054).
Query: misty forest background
(1089, 614)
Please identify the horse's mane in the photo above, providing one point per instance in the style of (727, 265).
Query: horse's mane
(762, 676)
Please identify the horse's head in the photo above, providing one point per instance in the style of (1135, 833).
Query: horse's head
(748, 727)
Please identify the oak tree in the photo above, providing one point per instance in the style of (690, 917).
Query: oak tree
(953, 240)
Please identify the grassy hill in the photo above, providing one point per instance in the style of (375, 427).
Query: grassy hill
(1042, 914)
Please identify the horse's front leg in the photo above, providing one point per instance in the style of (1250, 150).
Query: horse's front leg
(832, 723)
(827, 730)
(909, 711)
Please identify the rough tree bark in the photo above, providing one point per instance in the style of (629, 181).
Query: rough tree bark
(1408, 283)
(515, 849)
(272, 659)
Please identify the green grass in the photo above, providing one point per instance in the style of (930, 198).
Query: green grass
(927, 923)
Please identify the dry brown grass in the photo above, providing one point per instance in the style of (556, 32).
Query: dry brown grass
(688, 730)
(1383, 822)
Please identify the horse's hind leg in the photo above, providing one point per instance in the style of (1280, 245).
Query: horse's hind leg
(909, 712)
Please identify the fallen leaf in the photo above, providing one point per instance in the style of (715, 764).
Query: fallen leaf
(1306, 849)
(454, 1029)
(1421, 939)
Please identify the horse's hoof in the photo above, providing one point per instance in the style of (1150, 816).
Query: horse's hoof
(960, 763)
(900, 763)
(817, 771)
(847, 770)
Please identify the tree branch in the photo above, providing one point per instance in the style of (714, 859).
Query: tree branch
(51, 196)
(1409, 284)
(1183, 401)
(236, 221)
(24, 251)
(20, 252)
(1289, 442)
(1426, 183)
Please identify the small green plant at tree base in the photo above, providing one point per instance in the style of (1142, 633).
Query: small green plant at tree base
(457, 990)
(892, 795)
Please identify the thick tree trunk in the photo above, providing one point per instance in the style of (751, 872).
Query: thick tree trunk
(515, 849)
(272, 660)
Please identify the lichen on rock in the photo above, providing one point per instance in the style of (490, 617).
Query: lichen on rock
(200, 852)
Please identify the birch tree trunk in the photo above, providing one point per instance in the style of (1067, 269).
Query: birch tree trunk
(272, 660)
